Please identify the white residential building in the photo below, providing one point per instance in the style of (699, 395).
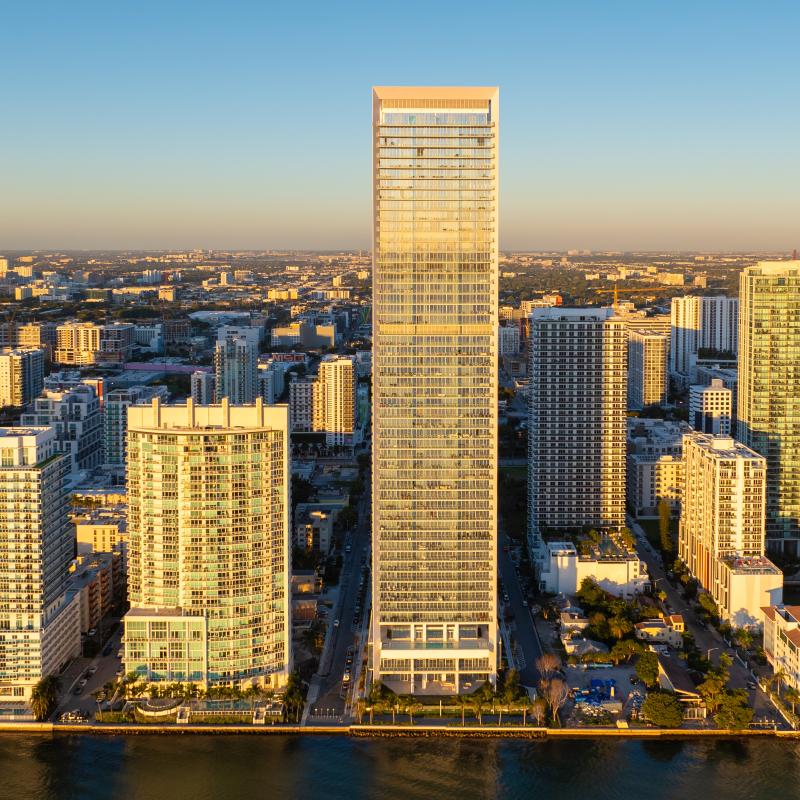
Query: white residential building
(711, 408)
(709, 323)
(75, 415)
(509, 341)
(721, 534)
(435, 384)
(334, 401)
(39, 626)
(115, 418)
(209, 563)
(648, 376)
(236, 370)
(301, 403)
(203, 387)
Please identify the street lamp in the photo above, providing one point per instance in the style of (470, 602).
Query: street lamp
(709, 651)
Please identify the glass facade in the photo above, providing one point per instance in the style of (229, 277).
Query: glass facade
(769, 389)
(435, 283)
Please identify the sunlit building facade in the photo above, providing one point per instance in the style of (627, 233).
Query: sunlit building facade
(209, 551)
(768, 401)
(435, 322)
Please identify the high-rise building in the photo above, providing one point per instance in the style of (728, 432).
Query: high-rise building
(648, 378)
(701, 323)
(721, 534)
(301, 403)
(236, 370)
(75, 415)
(21, 376)
(334, 406)
(768, 403)
(711, 408)
(435, 323)
(577, 421)
(115, 419)
(203, 388)
(209, 544)
(39, 623)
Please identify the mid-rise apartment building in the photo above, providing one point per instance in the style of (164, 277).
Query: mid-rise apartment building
(209, 558)
(203, 387)
(115, 419)
(84, 343)
(21, 376)
(74, 414)
(236, 370)
(334, 401)
(721, 533)
(648, 376)
(711, 408)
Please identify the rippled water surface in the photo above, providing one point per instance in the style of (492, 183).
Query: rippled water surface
(224, 768)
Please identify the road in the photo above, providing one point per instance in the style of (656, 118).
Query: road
(523, 632)
(330, 703)
(708, 641)
(107, 668)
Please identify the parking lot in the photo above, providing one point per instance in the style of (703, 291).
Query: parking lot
(627, 690)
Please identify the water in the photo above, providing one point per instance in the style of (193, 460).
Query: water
(233, 767)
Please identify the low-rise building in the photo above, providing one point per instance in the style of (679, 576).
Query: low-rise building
(659, 631)
(782, 641)
(616, 570)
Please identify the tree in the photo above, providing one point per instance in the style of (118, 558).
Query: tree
(511, 687)
(624, 650)
(539, 710)
(663, 709)
(619, 627)
(590, 594)
(548, 664)
(477, 705)
(743, 638)
(708, 605)
(647, 668)
(44, 697)
(734, 713)
(463, 701)
(791, 696)
(664, 514)
(555, 694)
(713, 691)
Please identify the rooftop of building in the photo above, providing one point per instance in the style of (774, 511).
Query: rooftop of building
(722, 446)
(752, 565)
(585, 314)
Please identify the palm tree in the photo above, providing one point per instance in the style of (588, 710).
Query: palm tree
(477, 704)
(525, 703)
(463, 702)
(619, 627)
(791, 696)
(779, 678)
(44, 697)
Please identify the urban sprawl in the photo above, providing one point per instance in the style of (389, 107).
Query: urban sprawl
(432, 484)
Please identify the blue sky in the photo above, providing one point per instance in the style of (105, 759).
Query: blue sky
(635, 125)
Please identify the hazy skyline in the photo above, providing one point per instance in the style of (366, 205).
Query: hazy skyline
(624, 125)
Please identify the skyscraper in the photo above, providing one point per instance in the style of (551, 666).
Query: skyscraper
(435, 322)
(236, 370)
(768, 402)
(209, 551)
(39, 622)
(701, 323)
(577, 421)
(335, 400)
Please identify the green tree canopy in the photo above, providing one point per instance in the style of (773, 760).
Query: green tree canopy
(647, 668)
(663, 709)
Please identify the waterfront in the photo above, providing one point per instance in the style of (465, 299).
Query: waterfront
(227, 768)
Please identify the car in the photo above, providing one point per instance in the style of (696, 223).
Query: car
(82, 682)
(336, 623)
(92, 632)
(348, 548)
(751, 685)
(77, 691)
(91, 670)
(525, 603)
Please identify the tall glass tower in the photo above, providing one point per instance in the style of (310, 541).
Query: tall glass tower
(769, 389)
(435, 321)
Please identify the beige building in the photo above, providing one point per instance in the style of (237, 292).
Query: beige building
(768, 403)
(435, 323)
(21, 376)
(209, 546)
(721, 534)
(782, 641)
(84, 343)
(648, 377)
(334, 402)
(39, 623)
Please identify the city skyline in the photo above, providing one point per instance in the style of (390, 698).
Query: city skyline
(624, 128)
